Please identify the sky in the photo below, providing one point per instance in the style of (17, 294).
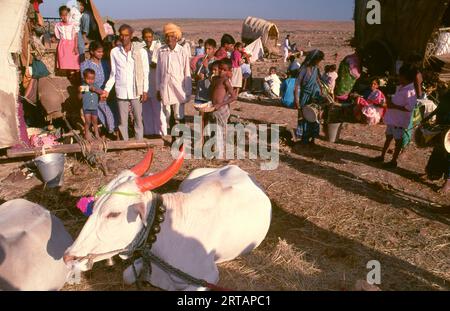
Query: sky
(236, 9)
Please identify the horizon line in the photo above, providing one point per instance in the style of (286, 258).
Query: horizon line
(222, 18)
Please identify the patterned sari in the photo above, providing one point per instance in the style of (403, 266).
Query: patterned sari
(309, 91)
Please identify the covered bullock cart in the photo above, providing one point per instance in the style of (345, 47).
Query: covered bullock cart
(416, 28)
(254, 28)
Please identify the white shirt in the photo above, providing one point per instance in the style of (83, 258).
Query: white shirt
(186, 46)
(122, 73)
(173, 75)
(330, 79)
(274, 82)
(152, 53)
(75, 17)
(406, 98)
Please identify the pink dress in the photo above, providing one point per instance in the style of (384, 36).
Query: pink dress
(66, 58)
(372, 107)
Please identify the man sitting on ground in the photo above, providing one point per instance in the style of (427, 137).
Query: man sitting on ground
(272, 84)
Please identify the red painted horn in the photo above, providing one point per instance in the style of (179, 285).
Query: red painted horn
(159, 179)
(143, 166)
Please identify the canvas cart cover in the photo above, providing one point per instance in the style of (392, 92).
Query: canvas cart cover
(254, 28)
(12, 23)
(406, 26)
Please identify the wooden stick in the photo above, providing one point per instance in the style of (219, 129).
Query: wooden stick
(95, 146)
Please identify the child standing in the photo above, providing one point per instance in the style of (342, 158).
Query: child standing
(89, 93)
(272, 83)
(226, 47)
(102, 71)
(67, 51)
(203, 73)
(200, 49)
(236, 61)
(398, 115)
(214, 69)
(246, 71)
(329, 77)
(222, 96)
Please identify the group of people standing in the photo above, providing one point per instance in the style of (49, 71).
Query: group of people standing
(151, 79)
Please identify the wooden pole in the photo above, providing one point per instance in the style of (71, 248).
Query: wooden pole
(94, 146)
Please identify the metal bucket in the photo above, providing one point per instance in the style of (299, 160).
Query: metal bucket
(333, 131)
(51, 168)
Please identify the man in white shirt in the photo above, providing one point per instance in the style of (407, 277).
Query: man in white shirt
(173, 76)
(286, 48)
(129, 73)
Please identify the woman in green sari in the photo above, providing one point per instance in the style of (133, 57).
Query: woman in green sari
(348, 73)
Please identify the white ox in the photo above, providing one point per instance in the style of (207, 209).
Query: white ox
(216, 216)
(32, 245)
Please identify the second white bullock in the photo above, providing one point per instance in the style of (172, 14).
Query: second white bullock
(216, 216)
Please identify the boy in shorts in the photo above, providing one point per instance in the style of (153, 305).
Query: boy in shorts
(89, 93)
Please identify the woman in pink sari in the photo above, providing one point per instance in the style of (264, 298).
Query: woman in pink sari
(371, 108)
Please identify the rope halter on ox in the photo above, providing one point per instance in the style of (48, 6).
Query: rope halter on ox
(145, 239)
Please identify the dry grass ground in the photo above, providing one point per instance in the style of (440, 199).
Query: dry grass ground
(333, 210)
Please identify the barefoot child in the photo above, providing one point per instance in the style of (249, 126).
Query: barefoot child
(222, 95)
(398, 115)
(67, 51)
(89, 93)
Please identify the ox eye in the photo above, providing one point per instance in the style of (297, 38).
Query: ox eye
(113, 215)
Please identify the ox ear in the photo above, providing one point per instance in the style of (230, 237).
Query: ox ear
(141, 209)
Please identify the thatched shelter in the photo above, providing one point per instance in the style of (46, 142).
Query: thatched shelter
(406, 27)
(254, 28)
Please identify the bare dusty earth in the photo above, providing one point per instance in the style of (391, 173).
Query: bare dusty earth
(333, 210)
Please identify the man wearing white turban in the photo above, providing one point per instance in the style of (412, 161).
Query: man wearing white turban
(173, 76)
